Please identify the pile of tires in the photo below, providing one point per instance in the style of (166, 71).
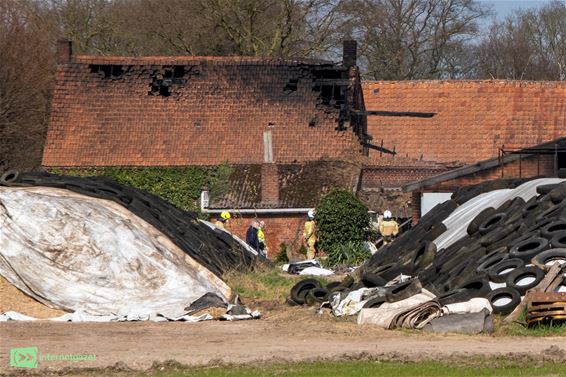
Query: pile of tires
(507, 250)
(216, 250)
(310, 292)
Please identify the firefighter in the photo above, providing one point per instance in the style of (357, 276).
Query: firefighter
(222, 220)
(309, 234)
(388, 228)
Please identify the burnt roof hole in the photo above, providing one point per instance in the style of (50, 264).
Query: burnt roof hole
(271, 124)
(160, 87)
(326, 74)
(292, 85)
(313, 122)
(106, 71)
(198, 124)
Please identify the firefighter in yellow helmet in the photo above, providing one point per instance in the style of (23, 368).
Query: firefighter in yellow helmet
(222, 220)
(309, 233)
(388, 228)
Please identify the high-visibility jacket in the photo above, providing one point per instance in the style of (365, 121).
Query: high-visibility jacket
(309, 231)
(389, 228)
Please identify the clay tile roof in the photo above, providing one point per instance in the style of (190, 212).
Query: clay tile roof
(193, 60)
(471, 121)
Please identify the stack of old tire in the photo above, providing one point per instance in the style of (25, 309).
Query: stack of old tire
(507, 250)
(216, 250)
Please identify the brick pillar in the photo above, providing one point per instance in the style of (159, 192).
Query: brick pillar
(416, 206)
(269, 184)
(349, 53)
(64, 51)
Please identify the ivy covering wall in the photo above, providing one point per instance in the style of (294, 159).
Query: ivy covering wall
(180, 186)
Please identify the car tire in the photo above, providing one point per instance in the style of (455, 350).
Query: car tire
(299, 290)
(501, 293)
(496, 272)
(403, 290)
(514, 278)
(528, 248)
(492, 223)
(541, 260)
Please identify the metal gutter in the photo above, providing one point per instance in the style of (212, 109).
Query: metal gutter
(258, 210)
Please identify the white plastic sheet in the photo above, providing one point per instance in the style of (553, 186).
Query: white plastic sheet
(93, 256)
(474, 305)
(457, 223)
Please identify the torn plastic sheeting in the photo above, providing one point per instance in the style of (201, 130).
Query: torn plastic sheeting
(79, 316)
(316, 271)
(457, 223)
(354, 301)
(389, 314)
(474, 305)
(78, 253)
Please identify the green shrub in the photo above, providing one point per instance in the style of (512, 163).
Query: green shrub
(180, 186)
(342, 222)
(282, 255)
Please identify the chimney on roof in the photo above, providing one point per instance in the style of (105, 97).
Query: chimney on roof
(269, 183)
(349, 53)
(64, 51)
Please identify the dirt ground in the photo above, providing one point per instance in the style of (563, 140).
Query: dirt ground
(284, 334)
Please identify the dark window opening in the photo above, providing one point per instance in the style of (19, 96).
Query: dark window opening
(561, 160)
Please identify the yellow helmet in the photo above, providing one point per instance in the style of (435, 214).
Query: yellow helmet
(225, 215)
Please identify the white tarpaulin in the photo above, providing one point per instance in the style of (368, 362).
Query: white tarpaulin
(78, 253)
(458, 221)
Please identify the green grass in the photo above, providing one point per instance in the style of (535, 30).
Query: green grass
(268, 284)
(520, 328)
(366, 368)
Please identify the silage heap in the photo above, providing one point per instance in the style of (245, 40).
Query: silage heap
(80, 253)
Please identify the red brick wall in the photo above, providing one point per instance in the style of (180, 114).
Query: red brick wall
(472, 118)
(217, 112)
(287, 228)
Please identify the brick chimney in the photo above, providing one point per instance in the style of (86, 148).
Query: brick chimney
(349, 53)
(64, 51)
(269, 184)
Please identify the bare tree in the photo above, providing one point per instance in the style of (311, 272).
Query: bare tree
(529, 45)
(274, 27)
(411, 39)
(26, 76)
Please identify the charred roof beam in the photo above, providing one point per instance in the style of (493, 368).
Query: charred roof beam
(411, 114)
